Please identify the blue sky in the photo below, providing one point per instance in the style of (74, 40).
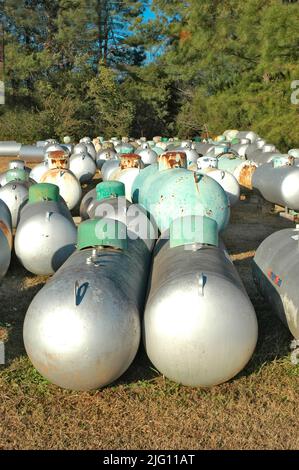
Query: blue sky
(148, 14)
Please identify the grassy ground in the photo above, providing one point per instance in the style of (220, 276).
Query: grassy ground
(255, 410)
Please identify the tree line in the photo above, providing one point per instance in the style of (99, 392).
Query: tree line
(99, 67)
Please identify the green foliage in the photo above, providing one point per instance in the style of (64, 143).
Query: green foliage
(77, 67)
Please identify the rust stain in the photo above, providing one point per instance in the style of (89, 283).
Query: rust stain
(6, 232)
(173, 159)
(130, 160)
(58, 159)
(245, 177)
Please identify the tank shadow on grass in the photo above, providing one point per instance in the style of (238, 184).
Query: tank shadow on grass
(13, 308)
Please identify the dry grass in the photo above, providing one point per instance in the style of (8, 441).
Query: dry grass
(255, 410)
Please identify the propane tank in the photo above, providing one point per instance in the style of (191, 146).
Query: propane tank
(46, 234)
(59, 174)
(39, 170)
(122, 148)
(278, 182)
(9, 148)
(91, 150)
(13, 165)
(191, 335)
(83, 166)
(275, 269)
(80, 148)
(5, 238)
(82, 329)
(110, 202)
(129, 168)
(226, 180)
(105, 155)
(240, 168)
(294, 153)
(148, 155)
(104, 190)
(15, 192)
(167, 190)
(191, 153)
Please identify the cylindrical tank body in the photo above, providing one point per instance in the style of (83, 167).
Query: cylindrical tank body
(5, 238)
(82, 330)
(240, 168)
(172, 192)
(14, 194)
(32, 153)
(108, 168)
(228, 182)
(38, 171)
(46, 234)
(294, 153)
(148, 155)
(275, 269)
(191, 335)
(260, 157)
(127, 172)
(105, 155)
(191, 154)
(122, 148)
(13, 165)
(91, 150)
(61, 176)
(278, 184)
(83, 166)
(9, 148)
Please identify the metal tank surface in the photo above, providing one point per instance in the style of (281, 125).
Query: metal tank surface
(128, 170)
(227, 181)
(275, 270)
(5, 238)
(46, 234)
(191, 154)
(147, 154)
(9, 148)
(82, 329)
(110, 202)
(278, 183)
(83, 166)
(38, 171)
(13, 165)
(32, 153)
(174, 191)
(240, 168)
(105, 155)
(14, 194)
(123, 148)
(191, 335)
(108, 168)
(59, 174)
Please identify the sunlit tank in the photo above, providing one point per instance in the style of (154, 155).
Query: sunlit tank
(148, 155)
(85, 140)
(275, 272)
(278, 182)
(294, 153)
(5, 238)
(82, 329)
(128, 170)
(122, 148)
(191, 154)
(248, 135)
(91, 150)
(168, 190)
(13, 165)
(106, 189)
(31, 153)
(46, 234)
(80, 148)
(83, 166)
(191, 335)
(59, 174)
(260, 157)
(9, 148)
(240, 168)
(15, 192)
(108, 168)
(227, 180)
(105, 155)
(39, 170)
